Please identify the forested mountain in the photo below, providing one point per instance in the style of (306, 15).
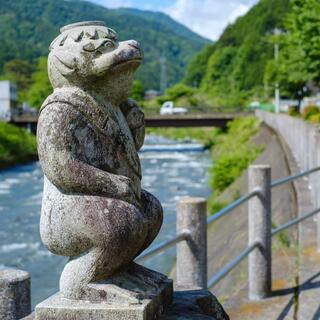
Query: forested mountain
(27, 28)
(234, 68)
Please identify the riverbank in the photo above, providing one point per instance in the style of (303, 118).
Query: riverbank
(17, 146)
(167, 175)
(228, 236)
(231, 152)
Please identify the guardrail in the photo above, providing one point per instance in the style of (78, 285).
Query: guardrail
(191, 236)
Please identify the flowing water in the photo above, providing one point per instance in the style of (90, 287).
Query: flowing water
(168, 175)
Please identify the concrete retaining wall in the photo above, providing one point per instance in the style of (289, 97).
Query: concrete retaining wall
(303, 139)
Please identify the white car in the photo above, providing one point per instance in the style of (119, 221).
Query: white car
(168, 108)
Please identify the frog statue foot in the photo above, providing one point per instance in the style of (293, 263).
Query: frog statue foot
(89, 133)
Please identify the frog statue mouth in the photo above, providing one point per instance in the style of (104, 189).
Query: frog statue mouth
(128, 53)
(91, 49)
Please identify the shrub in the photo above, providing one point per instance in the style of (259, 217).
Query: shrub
(177, 92)
(16, 145)
(315, 118)
(293, 111)
(309, 112)
(229, 167)
(215, 205)
(233, 152)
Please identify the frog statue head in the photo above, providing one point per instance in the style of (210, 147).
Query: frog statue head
(88, 55)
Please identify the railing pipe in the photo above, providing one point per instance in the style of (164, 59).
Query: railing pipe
(192, 253)
(223, 272)
(294, 222)
(163, 246)
(259, 216)
(232, 206)
(294, 177)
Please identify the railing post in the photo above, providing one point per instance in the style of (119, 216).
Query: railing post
(192, 253)
(14, 294)
(260, 232)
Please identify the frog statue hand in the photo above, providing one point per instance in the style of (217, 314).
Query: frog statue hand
(93, 210)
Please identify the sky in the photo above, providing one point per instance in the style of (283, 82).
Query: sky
(206, 17)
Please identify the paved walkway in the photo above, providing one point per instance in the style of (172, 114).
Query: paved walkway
(296, 269)
(296, 272)
(297, 302)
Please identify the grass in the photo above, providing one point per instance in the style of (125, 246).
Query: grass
(16, 145)
(233, 152)
(206, 136)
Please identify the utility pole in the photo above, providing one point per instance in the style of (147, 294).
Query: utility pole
(276, 58)
(163, 74)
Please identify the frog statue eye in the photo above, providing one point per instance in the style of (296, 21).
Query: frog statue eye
(109, 44)
(100, 45)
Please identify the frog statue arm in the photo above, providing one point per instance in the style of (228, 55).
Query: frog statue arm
(135, 120)
(64, 168)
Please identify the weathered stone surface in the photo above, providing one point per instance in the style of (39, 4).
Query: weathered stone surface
(195, 304)
(132, 294)
(89, 133)
(14, 294)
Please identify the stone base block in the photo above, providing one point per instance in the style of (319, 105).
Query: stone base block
(195, 304)
(136, 293)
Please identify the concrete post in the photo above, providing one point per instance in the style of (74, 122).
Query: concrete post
(260, 232)
(14, 294)
(192, 254)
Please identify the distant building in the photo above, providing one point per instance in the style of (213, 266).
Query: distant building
(150, 94)
(8, 99)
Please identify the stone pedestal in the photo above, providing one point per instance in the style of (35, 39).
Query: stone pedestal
(195, 304)
(136, 293)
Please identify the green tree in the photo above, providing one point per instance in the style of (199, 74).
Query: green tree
(300, 57)
(41, 86)
(28, 27)
(19, 72)
(231, 71)
(137, 92)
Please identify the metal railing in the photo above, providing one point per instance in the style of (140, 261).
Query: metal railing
(191, 235)
(163, 246)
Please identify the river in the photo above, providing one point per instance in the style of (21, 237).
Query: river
(169, 175)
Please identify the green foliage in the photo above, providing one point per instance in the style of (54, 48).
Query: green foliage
(282, 237)
(28, 27)
(233, 152)
(315, 119)
(178, 91)
(16, 145)
(310, 111)
(292, 111)
(137, 92)
(41, 86)
(18, 71)
(214, 205)
(206, 136)
(232, 71)
(197, 66)
(300, 55)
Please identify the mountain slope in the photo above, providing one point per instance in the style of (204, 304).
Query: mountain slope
(27, 28)
(233, 68)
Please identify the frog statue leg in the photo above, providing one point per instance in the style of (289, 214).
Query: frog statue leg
(114, 242)
(153, 214)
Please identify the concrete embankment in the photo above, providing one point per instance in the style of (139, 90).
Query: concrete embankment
(291, 146)
(228, 236)
(303, 139)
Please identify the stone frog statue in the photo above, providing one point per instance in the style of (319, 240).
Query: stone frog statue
(93, 208)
